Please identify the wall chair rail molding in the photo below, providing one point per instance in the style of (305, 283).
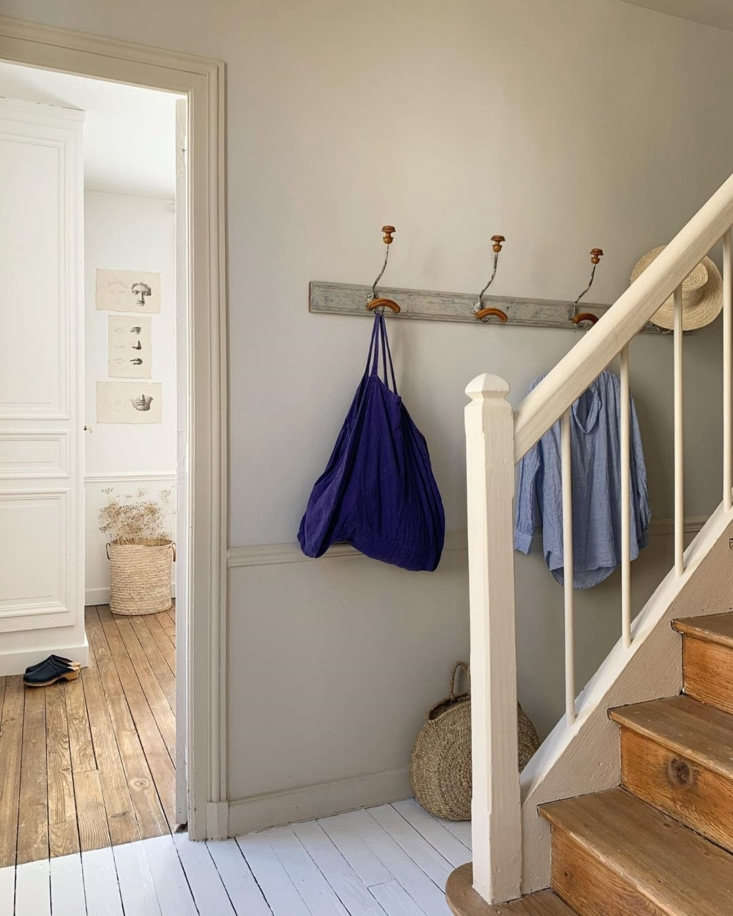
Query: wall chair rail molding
(275, 554)
(326, 298)
(202, 82)
(279, 554)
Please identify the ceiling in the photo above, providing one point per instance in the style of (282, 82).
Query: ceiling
(710, 12)
(129, 132)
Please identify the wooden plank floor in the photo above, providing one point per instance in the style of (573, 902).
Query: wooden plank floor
(387, 861)
(90, 763)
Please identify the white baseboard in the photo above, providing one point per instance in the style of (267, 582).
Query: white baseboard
(100, 595)
(217, 820)
(16, 662)
(275, 809)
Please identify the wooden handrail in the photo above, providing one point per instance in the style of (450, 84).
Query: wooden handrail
(546, 403)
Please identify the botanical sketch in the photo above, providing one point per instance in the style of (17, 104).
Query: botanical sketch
(129, 402)
(128, 291)
(129, 346)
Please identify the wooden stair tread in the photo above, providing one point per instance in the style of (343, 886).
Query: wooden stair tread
(712, 627)
(672, 866)
(464, 901)
(696, 731)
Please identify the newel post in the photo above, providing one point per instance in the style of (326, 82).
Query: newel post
(496, 807)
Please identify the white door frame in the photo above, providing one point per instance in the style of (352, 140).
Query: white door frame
(202, 81)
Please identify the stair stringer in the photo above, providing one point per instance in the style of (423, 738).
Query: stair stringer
(585, 756)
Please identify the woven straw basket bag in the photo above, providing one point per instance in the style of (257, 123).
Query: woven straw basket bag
(141, 575)
(440, 766)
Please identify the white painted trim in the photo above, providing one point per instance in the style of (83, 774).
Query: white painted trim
(583, 757)
(202, 81)
(129, 476)
(324, 799)
(496, 811)
(16, 662)
(100, 594)
(277, 554)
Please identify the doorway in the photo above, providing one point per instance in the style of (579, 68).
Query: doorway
(203, 393)
(93, 759)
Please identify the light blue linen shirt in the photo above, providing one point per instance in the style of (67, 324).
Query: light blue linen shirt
(596, 470)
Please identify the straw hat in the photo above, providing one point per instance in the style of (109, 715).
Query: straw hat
(702, 294)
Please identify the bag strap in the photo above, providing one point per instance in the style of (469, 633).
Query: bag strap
(379, 346)
(387, 355)
(459, 666)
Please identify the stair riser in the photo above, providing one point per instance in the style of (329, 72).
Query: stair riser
(708, 672)
(589, 886)
(695, 796)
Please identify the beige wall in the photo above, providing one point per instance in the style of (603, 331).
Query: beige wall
(563, 124)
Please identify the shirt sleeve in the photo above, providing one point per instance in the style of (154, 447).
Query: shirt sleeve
(528, 517)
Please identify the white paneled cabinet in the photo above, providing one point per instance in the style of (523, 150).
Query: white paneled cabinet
(41, 366)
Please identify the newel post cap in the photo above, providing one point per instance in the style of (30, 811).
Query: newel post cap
(487, 386)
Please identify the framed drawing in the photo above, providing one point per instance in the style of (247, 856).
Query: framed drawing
(129, 346)
(128, 291)
(129, 402)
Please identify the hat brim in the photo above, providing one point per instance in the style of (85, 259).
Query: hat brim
(696, 316)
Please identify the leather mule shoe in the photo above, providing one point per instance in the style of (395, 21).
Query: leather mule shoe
(48, 673)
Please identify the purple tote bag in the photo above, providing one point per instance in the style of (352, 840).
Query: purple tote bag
(378, 492)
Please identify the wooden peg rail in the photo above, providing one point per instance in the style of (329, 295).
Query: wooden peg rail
(426, 305)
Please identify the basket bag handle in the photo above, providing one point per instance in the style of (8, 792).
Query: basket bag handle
(459, 666)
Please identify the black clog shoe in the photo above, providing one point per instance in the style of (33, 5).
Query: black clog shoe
(60, 659)
(48, 673)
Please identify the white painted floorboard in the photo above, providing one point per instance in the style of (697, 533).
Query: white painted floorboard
(392, 860)
(67, 886)
(33, 889)
(101, 885)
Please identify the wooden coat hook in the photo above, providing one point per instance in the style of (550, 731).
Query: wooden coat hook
(376, 302)
(383, 303)
(479, 311)
(579, 317)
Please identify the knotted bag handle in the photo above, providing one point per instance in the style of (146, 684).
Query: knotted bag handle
(459, 666)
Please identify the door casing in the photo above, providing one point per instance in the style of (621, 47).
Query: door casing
(202, 81)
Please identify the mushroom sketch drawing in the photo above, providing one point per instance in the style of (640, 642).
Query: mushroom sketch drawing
(141, 290)
(142, 402)
(136, 329)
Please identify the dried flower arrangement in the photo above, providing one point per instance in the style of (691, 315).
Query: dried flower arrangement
(130, 517)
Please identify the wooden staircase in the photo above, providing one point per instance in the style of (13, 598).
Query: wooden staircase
(661, 843)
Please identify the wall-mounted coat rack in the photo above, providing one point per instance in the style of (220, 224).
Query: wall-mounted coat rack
(428, 305)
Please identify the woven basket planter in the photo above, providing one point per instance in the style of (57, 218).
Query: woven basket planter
(440, 766)
(140, 570)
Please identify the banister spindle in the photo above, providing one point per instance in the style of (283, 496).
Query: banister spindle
(625, 499)
(679, 440)
(567, 550)
(727, 367)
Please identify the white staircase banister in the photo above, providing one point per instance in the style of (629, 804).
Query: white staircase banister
(546, 403)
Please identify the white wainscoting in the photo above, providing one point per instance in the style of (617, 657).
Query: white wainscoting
(335, 661)
(151, 483)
